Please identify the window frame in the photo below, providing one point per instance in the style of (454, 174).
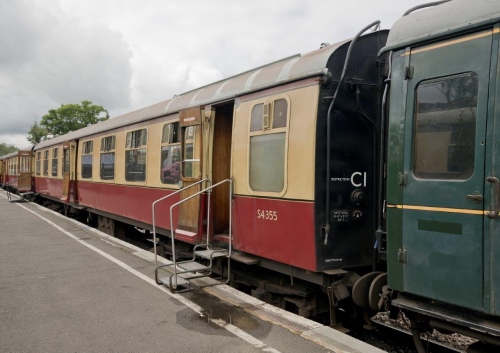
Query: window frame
(87, 151)
(45, 164)
(268, 129)
(140, 145)
(38, 163)
(177, 142)
(55, 158)
(194, 135)
(107, 147)
(419, 173)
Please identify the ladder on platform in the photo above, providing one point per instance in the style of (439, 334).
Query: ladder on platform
(180, 273)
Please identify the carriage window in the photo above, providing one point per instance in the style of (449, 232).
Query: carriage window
(14, 166)
(135, 155)
(38, 162)
(170, 154)
(256, 118)
(107, 160)
(46, 163)
(55, 161)
(66, 161)
(25, 164)
(268, 131)
(267, 162)
(280, 113)
(445, 128)
(191, 155)
(87, 150)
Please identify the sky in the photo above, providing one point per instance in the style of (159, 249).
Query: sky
(129, 54)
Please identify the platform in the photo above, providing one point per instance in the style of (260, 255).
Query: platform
(66, 287)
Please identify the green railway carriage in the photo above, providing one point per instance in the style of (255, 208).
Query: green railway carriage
(443, 165)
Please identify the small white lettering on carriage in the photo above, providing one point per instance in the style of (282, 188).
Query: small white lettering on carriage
(333, 260)
(341, 179)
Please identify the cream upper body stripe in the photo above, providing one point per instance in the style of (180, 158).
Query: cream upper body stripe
(439, 209)
(451, 42)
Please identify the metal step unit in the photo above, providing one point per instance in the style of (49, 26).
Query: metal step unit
(203, 255)
(27, 195)
(179, 277)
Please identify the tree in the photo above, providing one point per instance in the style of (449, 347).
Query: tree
(37, 133)
(67, 118)
(6, 149)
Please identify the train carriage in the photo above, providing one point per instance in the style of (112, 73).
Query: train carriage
(443, 187)
(16, 170)
(297, 208)
(52, 171)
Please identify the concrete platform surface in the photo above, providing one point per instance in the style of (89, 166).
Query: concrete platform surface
(65, 287)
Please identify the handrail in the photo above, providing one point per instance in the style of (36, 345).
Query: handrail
(230, 181)
(11, 181)
(164, 198)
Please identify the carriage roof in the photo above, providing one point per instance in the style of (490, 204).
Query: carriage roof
(442, 20)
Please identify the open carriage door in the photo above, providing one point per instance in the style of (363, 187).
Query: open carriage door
(444, 184)
(69, 171)
(221, 123)
(190, 223)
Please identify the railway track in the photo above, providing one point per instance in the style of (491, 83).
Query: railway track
(397, 340)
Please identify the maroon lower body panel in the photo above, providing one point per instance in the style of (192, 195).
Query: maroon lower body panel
(131, 202)
(49, 187)
(280, 230)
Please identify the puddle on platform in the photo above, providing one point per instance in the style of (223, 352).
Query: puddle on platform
(215, 309)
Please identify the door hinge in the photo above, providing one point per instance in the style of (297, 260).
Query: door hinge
(402, 256)
(403, 177)
(408, 72)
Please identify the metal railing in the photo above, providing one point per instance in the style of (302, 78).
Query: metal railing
(171, 224)
(174, 260)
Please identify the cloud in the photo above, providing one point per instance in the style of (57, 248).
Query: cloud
(49, 58)
(129, 54)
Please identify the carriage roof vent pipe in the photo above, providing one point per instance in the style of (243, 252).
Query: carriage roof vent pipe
(328, 127)
(423, 6)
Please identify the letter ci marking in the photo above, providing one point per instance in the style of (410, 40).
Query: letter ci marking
(357, 183)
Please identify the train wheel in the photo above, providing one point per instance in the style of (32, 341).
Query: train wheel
(361, 289)
(376, 292)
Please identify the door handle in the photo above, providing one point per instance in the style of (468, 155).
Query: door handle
(476, 198)
(495, 195)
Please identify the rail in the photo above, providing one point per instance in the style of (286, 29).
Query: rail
(230, 181)
(171, 225)
(8, 186)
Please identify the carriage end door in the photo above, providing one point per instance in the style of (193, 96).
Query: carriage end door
(444, 183)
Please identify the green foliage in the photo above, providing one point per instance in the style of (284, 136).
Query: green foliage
(67, 118)
(6, 149)
(37, 133)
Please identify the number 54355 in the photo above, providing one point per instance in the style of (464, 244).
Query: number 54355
(266, 214)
